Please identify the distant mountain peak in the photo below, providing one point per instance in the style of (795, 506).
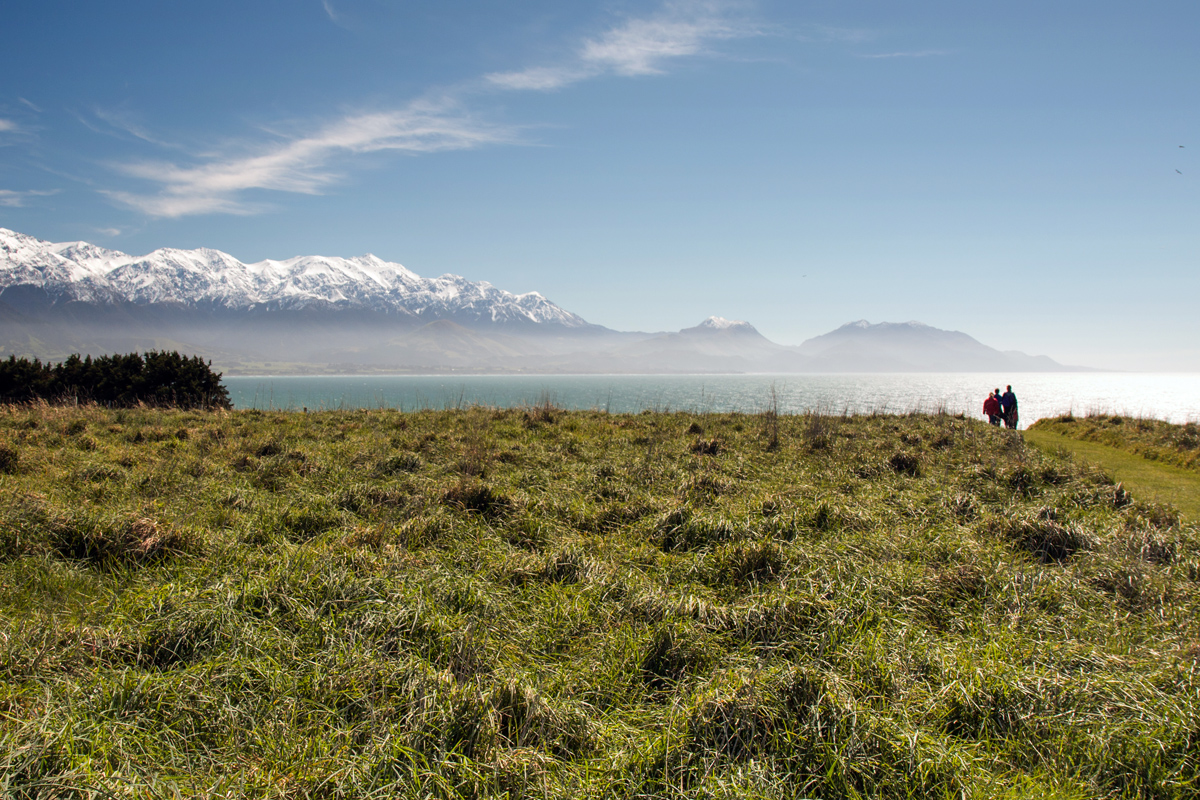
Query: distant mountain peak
(721, 324)
(862, 346)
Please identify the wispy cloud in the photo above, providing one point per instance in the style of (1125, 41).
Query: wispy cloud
(340, 18)
(12, 131)
(12, 199)
(18, 125)
(540, 79)
(303, 165)
(109, 231)
(637, 47)
(640, 46)
(123, 123)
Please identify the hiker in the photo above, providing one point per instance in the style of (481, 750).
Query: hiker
(991, 407)
(1008, 408)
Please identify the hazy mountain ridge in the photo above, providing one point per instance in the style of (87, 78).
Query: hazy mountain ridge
(861, 346)
(317, 313)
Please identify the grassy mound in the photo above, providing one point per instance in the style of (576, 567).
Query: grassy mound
(541, 603)
(1150, 438)
(1175, 489)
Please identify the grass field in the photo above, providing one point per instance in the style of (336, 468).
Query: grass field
(535, 603)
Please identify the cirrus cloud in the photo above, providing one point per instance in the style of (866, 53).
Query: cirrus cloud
(637, 47)
(14, 199)
(302, 165)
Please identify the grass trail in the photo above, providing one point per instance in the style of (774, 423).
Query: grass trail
(1153, 481)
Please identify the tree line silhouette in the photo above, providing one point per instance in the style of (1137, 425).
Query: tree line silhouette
(156, 378)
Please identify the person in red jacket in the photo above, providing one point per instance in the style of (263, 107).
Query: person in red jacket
(991, 407)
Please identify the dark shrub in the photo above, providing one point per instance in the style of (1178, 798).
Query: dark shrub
(156, 378)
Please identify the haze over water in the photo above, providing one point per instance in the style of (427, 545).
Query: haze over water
(1171, 397)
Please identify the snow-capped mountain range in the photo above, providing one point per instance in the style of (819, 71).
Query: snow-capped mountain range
(314, 314)
(83, 272)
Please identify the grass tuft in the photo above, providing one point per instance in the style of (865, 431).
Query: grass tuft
(10, 459)
(1044, 538)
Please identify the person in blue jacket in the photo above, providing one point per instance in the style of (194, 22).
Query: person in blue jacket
(1008, 408)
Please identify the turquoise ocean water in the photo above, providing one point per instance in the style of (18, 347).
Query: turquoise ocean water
(1173, 397)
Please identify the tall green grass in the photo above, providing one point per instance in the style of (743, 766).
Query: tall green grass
(539, 603)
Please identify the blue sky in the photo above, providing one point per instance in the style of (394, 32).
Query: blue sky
(1011, 170)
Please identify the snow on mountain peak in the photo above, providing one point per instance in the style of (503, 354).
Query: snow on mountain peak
(722, 324)
(82, 271)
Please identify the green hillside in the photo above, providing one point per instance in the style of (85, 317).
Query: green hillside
(534, 603)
